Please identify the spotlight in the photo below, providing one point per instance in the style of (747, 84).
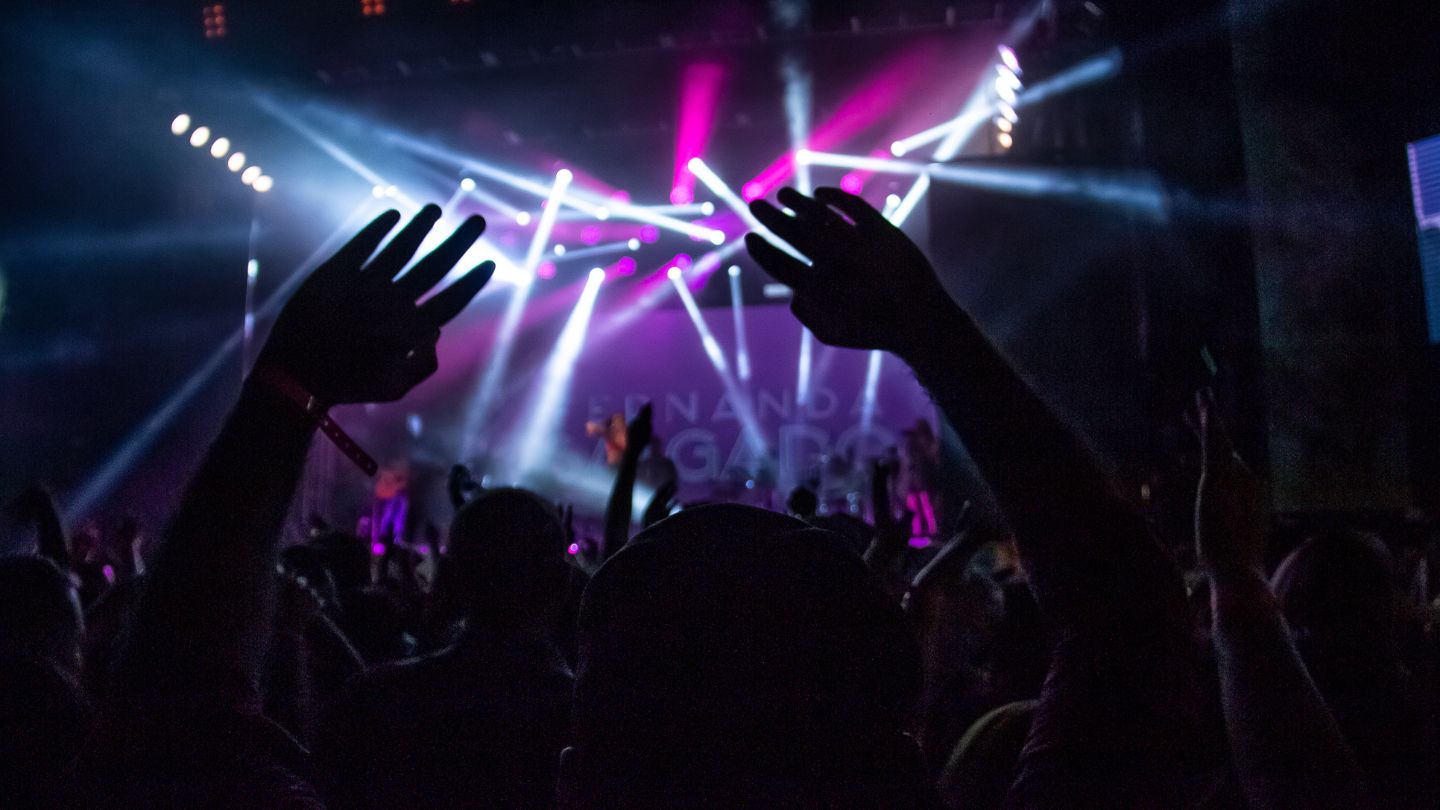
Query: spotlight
(263, 183)
(523, 218)
(717, 237)
(1005, 140)
(220, 147)
(649, 233)
(1004, 90)
(391, 191)
(602, 213)
(199, 136)
(892, 200)
(898, 149)
(565, 176)
(752, 191)
(673, 273)
(802, 155)
(181, 124)
(1008, 57)
(1007, 111)
(734, 271)
(559, 250)
(680, 195)
(377, 192)
(1004, 124)
(467, 184)
(545, 270)
(633, 244)
(597, 274)
(236, 162)
(626, 266)
(250, 175)
(707, 208)
(852, 183)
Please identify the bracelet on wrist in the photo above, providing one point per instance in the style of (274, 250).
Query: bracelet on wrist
(315, 410)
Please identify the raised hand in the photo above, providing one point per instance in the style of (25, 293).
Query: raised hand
(1230, 513)
(354, 332)
(459, 485)
(870, 287)
(638, 432)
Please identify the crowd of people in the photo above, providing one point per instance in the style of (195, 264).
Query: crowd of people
(723, 656)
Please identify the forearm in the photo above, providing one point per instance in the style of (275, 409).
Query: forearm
(1043, 475)
(622, 497)
(1075, 533)
(1287, 749)
(202, 622)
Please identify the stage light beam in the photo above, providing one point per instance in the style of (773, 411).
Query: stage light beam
(750, 426)
(716, 185)
(538, 438)
(181, 124)
(499, 360)
(737, 306)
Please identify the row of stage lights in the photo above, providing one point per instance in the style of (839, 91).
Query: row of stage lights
(1007, 95)
(251, 176)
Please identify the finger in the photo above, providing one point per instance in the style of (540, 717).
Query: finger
(781, 266)
(448, 303)
(860, 212)
(428, 271)
(807, 236)
(360, 246)
(807, 208)
(397, 254)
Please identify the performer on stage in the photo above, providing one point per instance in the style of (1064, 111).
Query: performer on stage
(919, 480)
(391, 508)
(612, 430)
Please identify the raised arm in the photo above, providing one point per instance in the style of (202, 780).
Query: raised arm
(1286, 746)
(352, 333)
(622, 495)
(872, 288)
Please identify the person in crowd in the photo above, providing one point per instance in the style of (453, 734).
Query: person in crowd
(734, 657)
(182, 725)
(481, 723)
(43, 708)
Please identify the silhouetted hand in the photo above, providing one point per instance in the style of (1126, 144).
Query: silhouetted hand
(870, 287)
(353, 332)
(459, 485)
(1230, 515)
(638, 432)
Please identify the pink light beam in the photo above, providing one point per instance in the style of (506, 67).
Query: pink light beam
(699, 96)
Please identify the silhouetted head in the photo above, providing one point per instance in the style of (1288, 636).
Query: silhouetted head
(802, 503)
(40, 616)
(1337, 588)
(347, 557)
(506, 558)
(734, 657)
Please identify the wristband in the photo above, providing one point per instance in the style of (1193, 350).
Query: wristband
(318, 412)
